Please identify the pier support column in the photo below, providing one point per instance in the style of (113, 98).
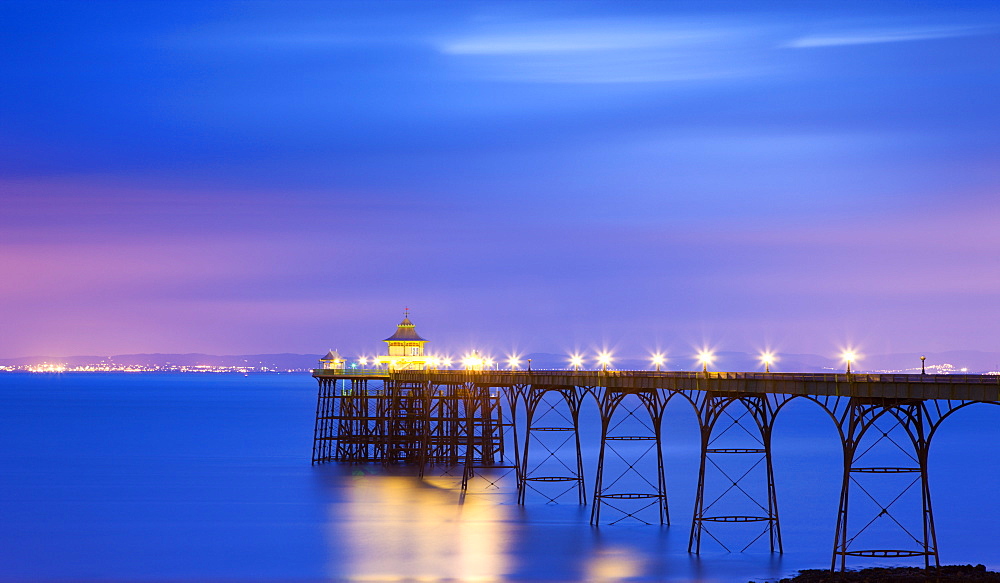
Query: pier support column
(736, 477)
(404, 422)
(886, 444)
(491, 421)
(346, 429)
(631, 421)
(443, 440)
(323, 432)
(552, 425)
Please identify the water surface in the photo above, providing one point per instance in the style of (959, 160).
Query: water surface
(156, 477)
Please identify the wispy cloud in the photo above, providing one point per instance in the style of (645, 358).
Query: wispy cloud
(576, 38)
(864, 37)
(620, 51)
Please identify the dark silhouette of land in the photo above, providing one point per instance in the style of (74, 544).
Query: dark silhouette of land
(943, 574)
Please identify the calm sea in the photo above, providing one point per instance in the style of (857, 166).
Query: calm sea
(150, 477)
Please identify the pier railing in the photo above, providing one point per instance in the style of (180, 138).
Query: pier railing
(968, 387)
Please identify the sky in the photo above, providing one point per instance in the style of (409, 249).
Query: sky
(263, 177)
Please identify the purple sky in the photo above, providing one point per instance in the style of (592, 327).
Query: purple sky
(542, 176)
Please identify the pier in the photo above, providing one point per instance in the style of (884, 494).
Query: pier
(527, 423)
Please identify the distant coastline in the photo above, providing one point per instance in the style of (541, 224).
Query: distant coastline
(125, 369)
(950, 362)
(169, 363)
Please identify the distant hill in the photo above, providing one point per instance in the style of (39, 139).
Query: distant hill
(280, 361)
(729, 361)
(937, 362)
(976, 361)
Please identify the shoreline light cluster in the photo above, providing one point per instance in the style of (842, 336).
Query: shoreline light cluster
(205, 368)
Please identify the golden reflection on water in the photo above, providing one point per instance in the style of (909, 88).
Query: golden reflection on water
(392, 528)
(614, 564)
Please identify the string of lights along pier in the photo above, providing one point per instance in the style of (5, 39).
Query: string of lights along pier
(524, 426)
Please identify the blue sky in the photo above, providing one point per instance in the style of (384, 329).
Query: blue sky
(233, 177)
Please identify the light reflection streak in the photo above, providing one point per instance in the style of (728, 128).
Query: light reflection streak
(614, 564)
(400, 528)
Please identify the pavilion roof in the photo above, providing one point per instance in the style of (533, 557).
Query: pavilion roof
(405, 331)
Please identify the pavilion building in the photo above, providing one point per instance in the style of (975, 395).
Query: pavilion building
(406, 348)
(332, 361)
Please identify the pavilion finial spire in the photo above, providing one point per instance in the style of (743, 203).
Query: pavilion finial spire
(406, 312)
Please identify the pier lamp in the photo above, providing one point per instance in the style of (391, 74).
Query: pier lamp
(446, 362)
(575, 361)
(849, 356)
(604, 359)
(705, 358)
(922, 369)
(514, 362)
(362, 361)
(658, 358)
(767, 358)
(473, 361)
(529, 365)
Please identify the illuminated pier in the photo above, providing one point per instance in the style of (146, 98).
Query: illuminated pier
(528, 423)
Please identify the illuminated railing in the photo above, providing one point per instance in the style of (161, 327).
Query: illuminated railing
(351, 371)
(978, 387)
(782, 376)
(968, 387)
